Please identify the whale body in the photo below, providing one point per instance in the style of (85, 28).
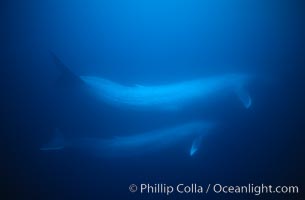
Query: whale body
(165, 97)
(171, 96)
(138, 144)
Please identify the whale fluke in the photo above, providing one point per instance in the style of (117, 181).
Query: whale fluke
(56, 143)
(67, 77)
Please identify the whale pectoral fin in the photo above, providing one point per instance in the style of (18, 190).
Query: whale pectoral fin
(244, 97)
(195, 145)
(56, 143)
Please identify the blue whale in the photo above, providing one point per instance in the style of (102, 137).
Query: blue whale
(137, 144)
(173, 96)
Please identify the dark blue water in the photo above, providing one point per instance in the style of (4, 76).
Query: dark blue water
(151, 42)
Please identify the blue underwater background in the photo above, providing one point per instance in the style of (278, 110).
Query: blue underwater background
(151, 42)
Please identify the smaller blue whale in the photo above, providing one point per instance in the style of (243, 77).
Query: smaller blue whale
(138, 144)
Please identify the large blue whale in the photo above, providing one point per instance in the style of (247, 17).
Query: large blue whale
(164, 97)
(138, 144)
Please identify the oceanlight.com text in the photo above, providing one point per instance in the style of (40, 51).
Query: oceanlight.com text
(195, 188)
